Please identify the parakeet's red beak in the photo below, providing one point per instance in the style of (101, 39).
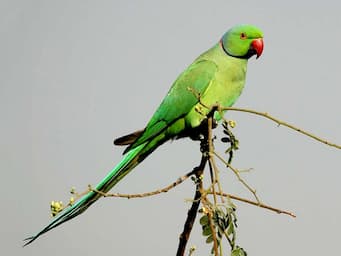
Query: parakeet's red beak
(258, 45)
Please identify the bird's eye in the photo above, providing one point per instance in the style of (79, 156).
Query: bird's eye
(243, 36)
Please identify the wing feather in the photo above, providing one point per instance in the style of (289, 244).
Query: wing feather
(179, 100)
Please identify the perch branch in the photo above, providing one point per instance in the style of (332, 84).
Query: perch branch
(280, 122)
(192, 212)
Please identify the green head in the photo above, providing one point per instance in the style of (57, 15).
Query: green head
(243, 41)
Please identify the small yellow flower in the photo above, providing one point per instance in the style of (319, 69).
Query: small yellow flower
(72, 200)
(204, 210)
(56, 207)
(192, 249)
(232, 123)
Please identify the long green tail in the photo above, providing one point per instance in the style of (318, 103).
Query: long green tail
(129, 161)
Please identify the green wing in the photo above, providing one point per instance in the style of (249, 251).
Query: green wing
(169, 117)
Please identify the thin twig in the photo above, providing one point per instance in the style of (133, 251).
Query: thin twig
(210, 159)
(236, 172)
(212, 164)
(215, 241)
(215, 174)
(152, 193)
(279, 211)
(280, 122)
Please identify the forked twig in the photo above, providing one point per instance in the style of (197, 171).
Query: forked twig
(236, 172)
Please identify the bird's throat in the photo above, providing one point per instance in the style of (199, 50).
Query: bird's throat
(249, 53)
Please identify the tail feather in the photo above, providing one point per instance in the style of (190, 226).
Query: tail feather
(128, 139)
(130, 160)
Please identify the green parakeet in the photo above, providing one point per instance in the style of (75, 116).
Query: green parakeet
(217, 75)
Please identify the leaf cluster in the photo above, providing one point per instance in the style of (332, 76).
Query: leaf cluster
(230, 139)
(218, 222)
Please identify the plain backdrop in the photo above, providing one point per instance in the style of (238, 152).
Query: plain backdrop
(76, 74)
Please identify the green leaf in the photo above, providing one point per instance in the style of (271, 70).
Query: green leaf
(238, 252)
(209, 239)
(230, 229)
(206, 231)
(204, 220)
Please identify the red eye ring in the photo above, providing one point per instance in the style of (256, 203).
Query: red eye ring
(243, 36)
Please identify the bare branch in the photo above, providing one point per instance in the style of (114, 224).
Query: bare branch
(193, 211)
(236, 172)
(214, 179)
(152, 193)
(277, 210)
(280, 122)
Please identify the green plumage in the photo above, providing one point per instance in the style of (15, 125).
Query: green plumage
(218, 76)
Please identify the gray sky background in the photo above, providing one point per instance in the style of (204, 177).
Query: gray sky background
(76, 74)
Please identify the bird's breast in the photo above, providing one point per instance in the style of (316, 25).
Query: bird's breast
(224, 89)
